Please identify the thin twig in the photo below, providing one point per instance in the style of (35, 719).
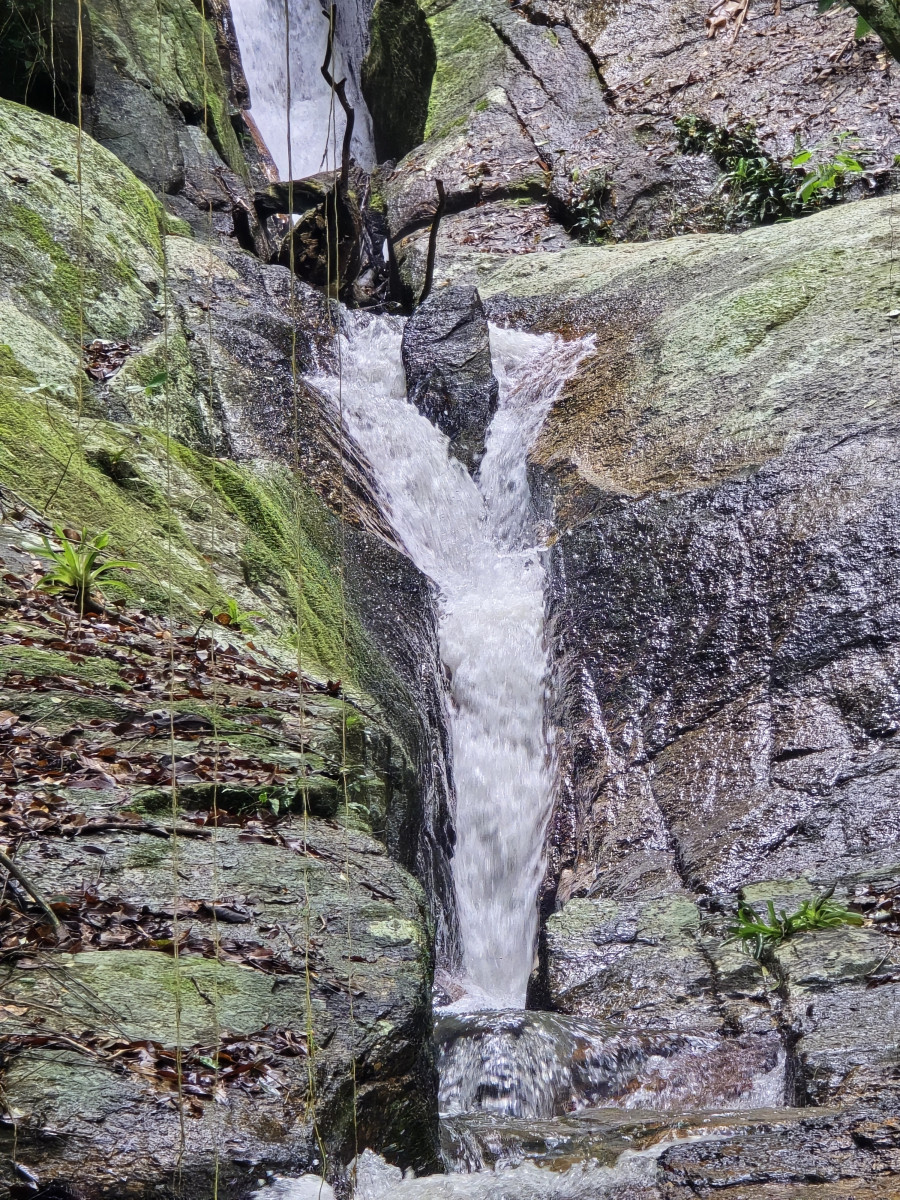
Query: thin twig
(31, 889)
(740, 21)
(432, 240)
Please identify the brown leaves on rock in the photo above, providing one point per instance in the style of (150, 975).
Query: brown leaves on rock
(90, 922)
(103, 359)
(195, 1073)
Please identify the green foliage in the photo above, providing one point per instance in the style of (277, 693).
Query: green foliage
(153, 385)
(760, 189)
(760, 933)
(828, 168)
(77, 568)
(588, 223)
(233, 616)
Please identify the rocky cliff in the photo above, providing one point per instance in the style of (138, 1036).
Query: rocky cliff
(232, 827)
(724, 628)
(197, 792)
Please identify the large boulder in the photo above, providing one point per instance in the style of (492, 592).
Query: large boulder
(150, 386)
(719, 488)
(449, 378)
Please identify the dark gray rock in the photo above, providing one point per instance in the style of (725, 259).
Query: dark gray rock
(725, 566)
(725, 574)
(824, 1156)
(396, 76)
(447, 359)
(111, 1126)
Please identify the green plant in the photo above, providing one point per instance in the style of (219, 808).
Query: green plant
(272, 802)
(759, 188)
(77, 568)
(824, 177)
(233, 616)
(760, 933)
(588, 223)
(152, 386)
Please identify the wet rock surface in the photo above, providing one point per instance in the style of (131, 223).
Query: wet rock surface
(197, 425)
(447, 359)
(722, 520)
(724, 591)
(200, 817)
(570, 109)
(538, 1065)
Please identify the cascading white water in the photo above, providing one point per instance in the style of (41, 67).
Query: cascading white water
(475, 541)
(316, 119)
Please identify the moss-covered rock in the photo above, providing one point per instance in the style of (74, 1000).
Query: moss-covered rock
(349, 996)
(396, 75)
(197, 444)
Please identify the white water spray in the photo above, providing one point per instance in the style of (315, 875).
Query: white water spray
(475, 541)
(316, 119)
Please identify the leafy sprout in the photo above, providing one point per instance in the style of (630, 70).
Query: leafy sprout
(588, 222)
(823, 177)
(757, 934)
(233, 616)
(152, 386)
(77, 568)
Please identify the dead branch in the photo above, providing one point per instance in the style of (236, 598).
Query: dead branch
(37, 896)
(432, 240)
(339, 90)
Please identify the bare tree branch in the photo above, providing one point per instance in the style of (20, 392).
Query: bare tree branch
(339, 90)
(432, 240)
(31, 889)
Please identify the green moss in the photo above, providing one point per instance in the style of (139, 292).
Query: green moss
(63, 290)
(470, 59)
(147, 856)
(293, 543)
(169, 48)
(39, 664)
(10, 365)
(75, 266)
(396, 75)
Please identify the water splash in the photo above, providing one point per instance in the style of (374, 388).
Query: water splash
(475, 540)
(632, 1173)
(317, 122)
(539, 1065)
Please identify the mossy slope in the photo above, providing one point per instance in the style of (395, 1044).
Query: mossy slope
(89, 261)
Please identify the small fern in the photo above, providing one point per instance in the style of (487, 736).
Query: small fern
(233, 616)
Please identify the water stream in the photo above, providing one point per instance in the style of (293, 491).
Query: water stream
(316, 120)
(474, 539)
(522, 1094)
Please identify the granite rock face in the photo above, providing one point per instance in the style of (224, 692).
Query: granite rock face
(724, 621)
(566, 111)
(449, 378)
(119, 1130)
(151, 385)
(725, 564)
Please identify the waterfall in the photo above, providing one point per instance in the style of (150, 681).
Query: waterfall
(475, 540)
(317, 120)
